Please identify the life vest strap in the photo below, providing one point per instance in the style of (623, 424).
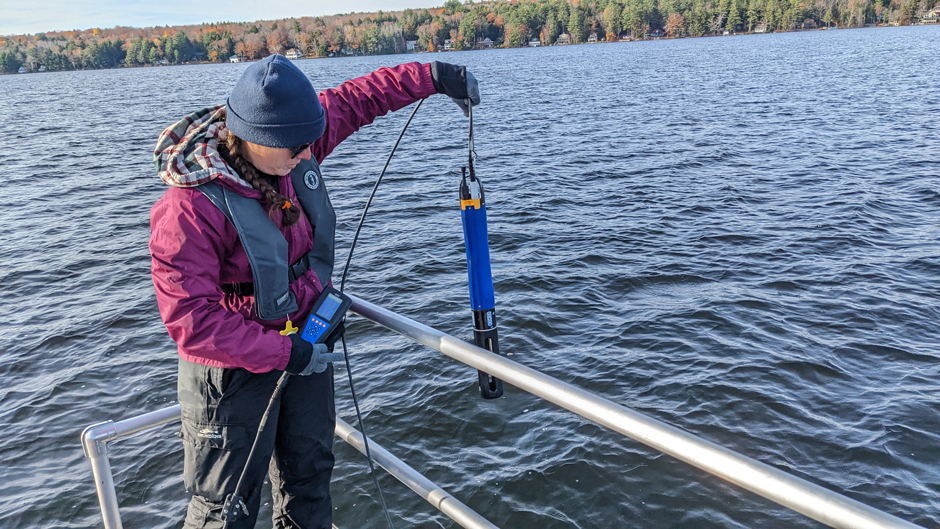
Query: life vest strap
(296, 270)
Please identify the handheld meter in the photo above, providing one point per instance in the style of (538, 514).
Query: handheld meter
(327, 313)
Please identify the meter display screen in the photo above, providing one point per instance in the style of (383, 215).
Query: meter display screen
(329, 306)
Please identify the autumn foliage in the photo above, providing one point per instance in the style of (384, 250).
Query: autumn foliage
(454, 26)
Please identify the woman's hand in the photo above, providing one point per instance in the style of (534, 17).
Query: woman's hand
(307, 358)
(457, 83)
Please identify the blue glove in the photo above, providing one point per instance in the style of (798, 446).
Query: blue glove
(307, 358)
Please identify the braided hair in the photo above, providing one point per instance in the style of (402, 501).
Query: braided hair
(230, 147)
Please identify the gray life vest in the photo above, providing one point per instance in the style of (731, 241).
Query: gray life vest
(266, 246)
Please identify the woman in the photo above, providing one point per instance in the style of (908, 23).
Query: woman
(242, 244)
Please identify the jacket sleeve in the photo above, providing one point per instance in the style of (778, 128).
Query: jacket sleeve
(187, 248)
(359, 101)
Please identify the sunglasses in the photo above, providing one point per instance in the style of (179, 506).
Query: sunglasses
(294, 151)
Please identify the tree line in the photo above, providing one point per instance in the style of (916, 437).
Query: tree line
(455, 25)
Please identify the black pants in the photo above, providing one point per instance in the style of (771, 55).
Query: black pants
(222, 409)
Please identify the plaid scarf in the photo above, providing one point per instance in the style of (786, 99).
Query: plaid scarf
(187, 154)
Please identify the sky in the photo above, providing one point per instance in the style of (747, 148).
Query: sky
(19, 17)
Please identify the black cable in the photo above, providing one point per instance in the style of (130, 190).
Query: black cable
(362, 219)
(365, 438)
(471, 151)
(342, 286)
(229, 509)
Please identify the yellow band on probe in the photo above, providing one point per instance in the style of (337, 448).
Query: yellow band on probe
(472, 202)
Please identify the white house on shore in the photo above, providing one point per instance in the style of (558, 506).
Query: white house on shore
(411, 45)
(21, 70)
(534, 43)
(293, 54)
(931, 17)
(562, 39)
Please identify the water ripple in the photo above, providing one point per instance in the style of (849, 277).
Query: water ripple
(736, 236)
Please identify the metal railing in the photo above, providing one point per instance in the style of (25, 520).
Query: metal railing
(436, 496)
(797, 494)
(96, 437)
(95, 440)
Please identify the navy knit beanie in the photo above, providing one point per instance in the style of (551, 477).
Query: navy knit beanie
(274, 104)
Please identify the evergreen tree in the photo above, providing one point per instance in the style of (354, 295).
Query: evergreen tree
(611, 19)
(468, 30)
(734, 16)
(576, 25)
(133, 50)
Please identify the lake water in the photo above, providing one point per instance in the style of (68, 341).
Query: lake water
(738, 236)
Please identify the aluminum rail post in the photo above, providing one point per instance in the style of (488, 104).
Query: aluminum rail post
(435, 495)
(147, 420)
(797, 494)
(95, 445)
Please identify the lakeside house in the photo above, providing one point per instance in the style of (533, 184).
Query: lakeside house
(411, 45)
(42, 68)
(658, 33)
(448, 45)
(21, 70)
(761, 28)
(809, 24)
(592, 38)
(485, 44)
(625, 35)
(562, 39)
(931, 17)
(235, 58)
(293, 54)
(534, 43)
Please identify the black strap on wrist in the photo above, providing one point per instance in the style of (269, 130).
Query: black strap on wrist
(301, 352)
(449, 79)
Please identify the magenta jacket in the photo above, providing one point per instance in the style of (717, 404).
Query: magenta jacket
(195, 249)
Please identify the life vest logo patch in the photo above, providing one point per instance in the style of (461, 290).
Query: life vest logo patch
(311, 180)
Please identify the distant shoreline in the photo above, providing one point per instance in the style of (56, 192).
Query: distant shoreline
(454, 27)
(423, 52)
